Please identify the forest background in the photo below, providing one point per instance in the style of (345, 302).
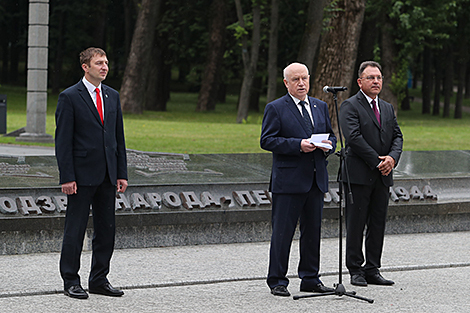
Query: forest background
(221, 61)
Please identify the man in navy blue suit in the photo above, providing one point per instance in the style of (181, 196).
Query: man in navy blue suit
(299, 179)
(91, 155)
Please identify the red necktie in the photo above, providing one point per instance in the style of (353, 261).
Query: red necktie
(99, 105)
(376, 111)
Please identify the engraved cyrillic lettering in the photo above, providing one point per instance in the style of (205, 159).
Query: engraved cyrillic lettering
(138, 202)
(171, 200)
(207, 199)
(155, 200)
(27, 205)
(8, 206)
(60, 203)
(243, 198)
(45, 204)
(260, 197)
(190, 200)
(122, 203)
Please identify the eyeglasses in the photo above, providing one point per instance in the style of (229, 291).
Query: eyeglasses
(371, 78)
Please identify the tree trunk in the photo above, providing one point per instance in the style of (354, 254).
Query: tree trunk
(59, 55)
(255, 93)
(467, 83)
(437, 83)
(427, 80)
(158, 90)
(338, 52)
(250, 62)
(312, 32)
(462, 63)
(389, 66)
(128, 24)
(211, 77)
(448, 81)
(459, 98)
(99, 31)
(272, 52)
(133, 88)
(405, 103)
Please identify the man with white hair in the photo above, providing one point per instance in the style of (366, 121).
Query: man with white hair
(299, 178)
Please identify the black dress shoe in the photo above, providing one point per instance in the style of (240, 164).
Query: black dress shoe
(317, 288)
(280, 291)
(76, 292)
(106, 290)
(377, 279)
(358, 280)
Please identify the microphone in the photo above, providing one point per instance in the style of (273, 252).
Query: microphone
(334, 89)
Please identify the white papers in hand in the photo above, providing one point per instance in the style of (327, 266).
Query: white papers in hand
(316, 139)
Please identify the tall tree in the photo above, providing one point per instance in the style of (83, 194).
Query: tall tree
(448, 80)
(437, 83)
(250, 59)
(133, 88)
(462, 33)
(216, 48)
(338, 50)
(312, 32)
(159, 69)
(273, 51)
(426, 88)
(392, 84)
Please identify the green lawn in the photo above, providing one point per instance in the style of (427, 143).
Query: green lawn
(182, 130)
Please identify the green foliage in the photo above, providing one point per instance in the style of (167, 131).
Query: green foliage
(329, 13)
(399, 80)
(420, 23)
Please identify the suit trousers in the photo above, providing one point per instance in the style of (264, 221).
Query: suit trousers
(286, 211)
(102, 199)
(369, 209)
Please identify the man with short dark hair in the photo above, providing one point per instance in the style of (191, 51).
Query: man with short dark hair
(373, 147)
(91, 155)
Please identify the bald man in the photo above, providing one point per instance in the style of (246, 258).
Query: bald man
(299, 179)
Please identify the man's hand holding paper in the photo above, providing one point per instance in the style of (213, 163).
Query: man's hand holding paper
(321, 141)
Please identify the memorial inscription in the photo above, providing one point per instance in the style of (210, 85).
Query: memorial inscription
(189, 200)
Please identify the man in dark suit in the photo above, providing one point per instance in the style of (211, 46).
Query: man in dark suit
(299, 178)
(91, 156)
(373, 147)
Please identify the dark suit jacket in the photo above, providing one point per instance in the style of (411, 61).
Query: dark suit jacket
(85, 148)
(366, 140)
(282, 131)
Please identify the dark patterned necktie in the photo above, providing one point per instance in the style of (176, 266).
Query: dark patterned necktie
(376, 111)
(306, 116)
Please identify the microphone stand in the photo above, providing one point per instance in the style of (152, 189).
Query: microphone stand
(340, 290)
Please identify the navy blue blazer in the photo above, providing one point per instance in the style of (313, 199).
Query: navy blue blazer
(366, 140)
(85, 148)
(282, 131)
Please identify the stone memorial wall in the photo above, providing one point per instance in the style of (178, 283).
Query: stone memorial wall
(178, 199)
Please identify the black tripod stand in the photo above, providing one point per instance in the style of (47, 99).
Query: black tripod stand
(339, 287)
